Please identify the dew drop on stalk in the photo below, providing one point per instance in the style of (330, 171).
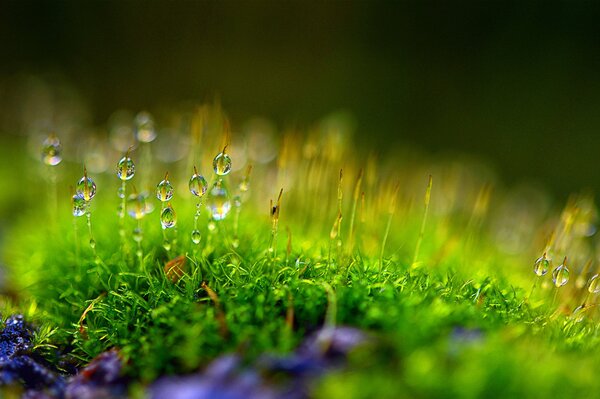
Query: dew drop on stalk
(237, 201)
(79, 205)
(51, 151)
(196, 236)
(92, 243)
(594, 286)
(560, 275)
(144, 127)
(125, 168)
(222, 164)
(86, 188)
(168, 218)
(121, 192)
(164, 190)
(541, 266)
(137, 234)
(198, 184)
(136, 206)
(218, 201)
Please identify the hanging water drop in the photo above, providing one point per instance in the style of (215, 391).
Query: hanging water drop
(125, 168)
(222, 164)
(541, 266)
(144, 127)
(136, 206)
(198, 184)
(594, 287)
(86, 187)
(237, 201)
(168, 218)
(92, 243)
(137, 234)
(218, 201)
(196, 237)
(164, 190)
(560, 275)
(51, 151)
(79, 205)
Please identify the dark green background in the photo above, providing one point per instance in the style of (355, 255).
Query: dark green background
(516, 83)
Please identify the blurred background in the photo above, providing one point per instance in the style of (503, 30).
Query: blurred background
(513, 83)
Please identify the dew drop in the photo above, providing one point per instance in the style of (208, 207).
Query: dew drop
(92, 243)
(121, 192)
(164, 191)
(137, 234)
(149, 205)
(235, 242)
(125, 168)
(79, 205)
(168, 218)
(541, 266)
(198, 185)
(237, 201)
(136, 206)
(51, 151)
(167, 245)
(86, 188)
(594, 287)
(196, 236)
(144, 127)
(560, 276)
(222, 164)
(218, 201)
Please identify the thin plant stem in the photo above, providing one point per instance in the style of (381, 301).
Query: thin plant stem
(423, 222)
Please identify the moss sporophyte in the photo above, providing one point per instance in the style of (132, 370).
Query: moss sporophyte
(367, 242)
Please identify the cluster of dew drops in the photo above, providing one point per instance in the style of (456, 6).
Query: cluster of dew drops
(560, 274)
(137, 204)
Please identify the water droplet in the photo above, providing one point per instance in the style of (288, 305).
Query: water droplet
(541, 266)
(92, 243)
(79, 205)
(125, 168)
(164, 191)
(136, 206)
(196, 236)
(167, 245)
(594, 287)
(235, 242)
(168, 218)
(51, 151)
(211, 226)
(86, 188)
(222, 164)
(144, 127)
(137, 234)
(237, 201)
(121, 192)
(198, 185)
(218, 201)
(560, 276)
(149, 208)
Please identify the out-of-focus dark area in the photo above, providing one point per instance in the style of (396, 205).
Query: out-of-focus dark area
(515, 83)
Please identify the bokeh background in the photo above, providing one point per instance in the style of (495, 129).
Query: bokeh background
(514, 83)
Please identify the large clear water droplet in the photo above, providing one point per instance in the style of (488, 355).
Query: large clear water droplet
(144, 127)
(79, 205)
(164, 191)
(125, 168)
(560, 276)
(51, 151)
(218, 201)
(196, 237)
(198, 185)
(86, 188)
(594, 287)
(222, 164)
(136, 206)
(541, 266)
(168, 218)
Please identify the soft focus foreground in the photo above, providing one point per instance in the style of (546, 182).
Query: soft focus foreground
(179, 237)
